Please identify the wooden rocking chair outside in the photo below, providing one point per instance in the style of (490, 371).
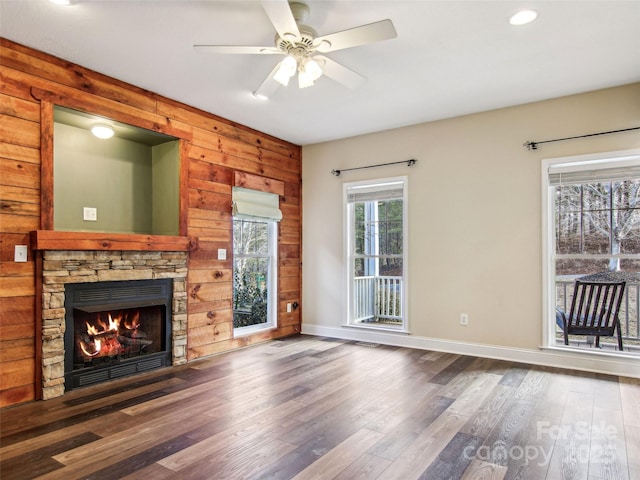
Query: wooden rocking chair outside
(594, 311)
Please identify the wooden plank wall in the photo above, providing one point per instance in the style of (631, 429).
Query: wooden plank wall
(216, 151)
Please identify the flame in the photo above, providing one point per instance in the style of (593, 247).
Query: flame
(134, 322)
(101, 337)
(102, 327)
(113, 324)
(91, 349)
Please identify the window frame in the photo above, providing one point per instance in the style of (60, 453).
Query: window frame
(272, 279)
(349, 254)
(589, 162)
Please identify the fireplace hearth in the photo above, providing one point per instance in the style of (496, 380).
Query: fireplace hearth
(116, 329)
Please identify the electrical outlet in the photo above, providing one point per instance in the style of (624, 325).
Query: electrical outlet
(464, 319)
(289, 308)
(90, 214)
(222, 254)
(20, 254)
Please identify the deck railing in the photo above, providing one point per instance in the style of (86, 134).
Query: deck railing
(629, 312)
(377, 299)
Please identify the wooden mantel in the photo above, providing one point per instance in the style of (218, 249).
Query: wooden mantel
(58, 240)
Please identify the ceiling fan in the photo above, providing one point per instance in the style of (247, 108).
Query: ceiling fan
(303, 48)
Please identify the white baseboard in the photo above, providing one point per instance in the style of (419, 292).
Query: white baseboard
(597, 362)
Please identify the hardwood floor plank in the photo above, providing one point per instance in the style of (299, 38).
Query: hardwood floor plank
(228, 431)
(529, 453)
(630, 400)
(632, 444)
(39, 460)
(479, 470)
(452, 370)
(608, 453)
(315, 407)
(365, 467)
(514, 376)
(418, 455)
(239, 461)
(397, 440)
(505, 434)
(341, 456)
(403, 410)
(489, 413)
(570, 458)
(454, 459)
(143, 459)
(122, 445)
(153, 471)
(473, 396)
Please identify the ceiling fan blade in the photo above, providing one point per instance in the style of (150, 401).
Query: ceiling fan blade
(339, 73)
(354, 37)
(282, 18)
(269, 85)
(237, 49)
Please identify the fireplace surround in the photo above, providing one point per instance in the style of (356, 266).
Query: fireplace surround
(61, 268)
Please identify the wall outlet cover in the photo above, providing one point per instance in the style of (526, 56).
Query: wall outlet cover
(90, 214)
(20, 254)
(222, 254)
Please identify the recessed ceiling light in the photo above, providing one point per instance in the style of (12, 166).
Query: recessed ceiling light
(523, 17)
(61, 2)
(102, 130)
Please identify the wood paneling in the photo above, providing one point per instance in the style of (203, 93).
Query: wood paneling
(53, 240)
(214, 153)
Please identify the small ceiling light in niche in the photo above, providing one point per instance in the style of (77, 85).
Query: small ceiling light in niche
(523, 17)
(61, 2)
(102, 130)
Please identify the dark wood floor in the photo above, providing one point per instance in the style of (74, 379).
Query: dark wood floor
(317, 408)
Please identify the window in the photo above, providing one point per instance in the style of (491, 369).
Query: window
(376, 236)
(255, 216)
(592, 225)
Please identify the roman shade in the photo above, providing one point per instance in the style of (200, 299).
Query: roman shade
(375, 192)
(578, 173)
(255, 205)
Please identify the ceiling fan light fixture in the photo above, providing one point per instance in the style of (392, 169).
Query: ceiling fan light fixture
(102, 130)
(287, 70)
(312, 69)
(304, 80)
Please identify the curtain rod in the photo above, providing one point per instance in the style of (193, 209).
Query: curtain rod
(408, 162)
(531, 145)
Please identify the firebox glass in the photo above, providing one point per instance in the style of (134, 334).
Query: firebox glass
(108, 336)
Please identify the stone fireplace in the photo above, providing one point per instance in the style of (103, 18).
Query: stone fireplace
(62, 268)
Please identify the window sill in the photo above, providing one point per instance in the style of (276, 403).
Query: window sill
(241, 333)
(379, 328)
(591, 352)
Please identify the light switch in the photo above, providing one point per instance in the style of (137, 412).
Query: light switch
(90, 214)
(20, 253)
(222, 254)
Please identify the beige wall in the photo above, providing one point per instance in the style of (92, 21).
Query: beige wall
(474, 212)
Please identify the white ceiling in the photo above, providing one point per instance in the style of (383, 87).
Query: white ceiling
(450, 57)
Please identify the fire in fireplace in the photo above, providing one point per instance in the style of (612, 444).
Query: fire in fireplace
(115, 329)
(120, 334)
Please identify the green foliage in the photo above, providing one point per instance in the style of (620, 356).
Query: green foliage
(249, 298)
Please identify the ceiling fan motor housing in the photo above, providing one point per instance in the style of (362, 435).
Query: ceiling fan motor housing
(305, 43)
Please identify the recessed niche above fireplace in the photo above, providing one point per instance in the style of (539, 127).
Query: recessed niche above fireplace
(129, 183)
